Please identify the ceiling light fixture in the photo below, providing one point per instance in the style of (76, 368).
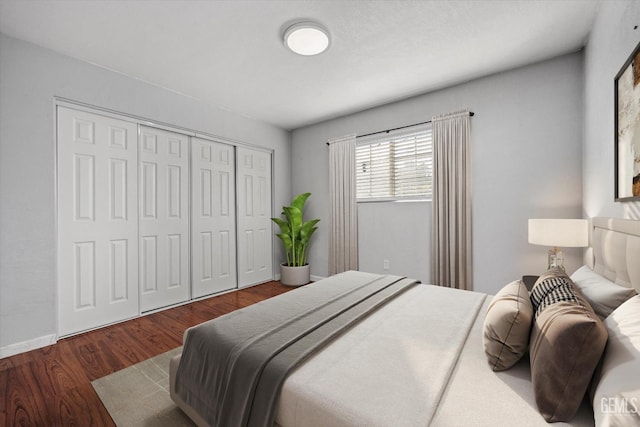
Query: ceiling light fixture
(306, 38)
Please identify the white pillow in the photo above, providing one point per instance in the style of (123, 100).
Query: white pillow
(603, 295)
(616, 385)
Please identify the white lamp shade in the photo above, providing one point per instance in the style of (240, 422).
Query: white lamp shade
(567, 233)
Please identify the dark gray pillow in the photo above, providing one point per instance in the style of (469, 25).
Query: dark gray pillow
(567, 341)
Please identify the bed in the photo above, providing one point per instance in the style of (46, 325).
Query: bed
(415, 354)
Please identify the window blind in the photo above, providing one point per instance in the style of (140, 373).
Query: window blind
(395, 167)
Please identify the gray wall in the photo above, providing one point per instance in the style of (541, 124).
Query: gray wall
(611, 42)
(385, 228)
(30, 77)
(526, 160)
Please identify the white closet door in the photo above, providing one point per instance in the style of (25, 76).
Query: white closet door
(255, 232)
(213, 217)
(97, 220)
(164, 218)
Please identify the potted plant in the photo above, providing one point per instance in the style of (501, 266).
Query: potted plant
(295, 234)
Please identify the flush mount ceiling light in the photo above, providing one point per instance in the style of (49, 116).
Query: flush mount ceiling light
(306, 38)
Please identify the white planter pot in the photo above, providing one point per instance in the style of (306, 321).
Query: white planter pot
(295, 276)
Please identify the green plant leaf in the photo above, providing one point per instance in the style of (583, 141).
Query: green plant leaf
(286, 241)
(284, 225)
(300, 200)
(294, 218)
(307, 229)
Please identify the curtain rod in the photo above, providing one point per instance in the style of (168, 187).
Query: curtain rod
(471, 114)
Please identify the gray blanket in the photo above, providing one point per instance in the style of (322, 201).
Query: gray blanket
(232, 367)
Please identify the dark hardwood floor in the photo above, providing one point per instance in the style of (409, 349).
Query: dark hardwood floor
(52, 386)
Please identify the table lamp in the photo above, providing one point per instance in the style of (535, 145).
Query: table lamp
(569, 233)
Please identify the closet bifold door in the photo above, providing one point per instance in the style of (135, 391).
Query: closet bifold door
(255, 232)
(164, 218)
(97, 244)
(213, 217)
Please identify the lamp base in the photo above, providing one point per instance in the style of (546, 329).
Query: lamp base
(555, 258)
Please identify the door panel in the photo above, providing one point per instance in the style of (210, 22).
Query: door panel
(213, 224)
(164, 218)
(97, 220)
(254, 217)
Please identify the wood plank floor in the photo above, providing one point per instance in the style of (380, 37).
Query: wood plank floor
(52, 386)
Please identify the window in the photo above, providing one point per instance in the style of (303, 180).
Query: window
(395, 167)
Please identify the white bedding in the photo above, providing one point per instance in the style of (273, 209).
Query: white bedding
(389, 370)
(417, 361)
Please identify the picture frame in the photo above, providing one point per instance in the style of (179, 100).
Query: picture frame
(627, 129)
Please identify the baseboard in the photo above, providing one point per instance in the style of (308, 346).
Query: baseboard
(24, 346)
(312, 277)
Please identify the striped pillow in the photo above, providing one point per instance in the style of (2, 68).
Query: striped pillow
(551, 291)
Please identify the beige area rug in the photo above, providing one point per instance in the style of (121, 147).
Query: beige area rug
(139, 394)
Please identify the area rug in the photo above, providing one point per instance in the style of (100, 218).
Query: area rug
(139, 394)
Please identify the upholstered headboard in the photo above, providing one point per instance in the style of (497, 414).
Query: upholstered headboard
(615, 253)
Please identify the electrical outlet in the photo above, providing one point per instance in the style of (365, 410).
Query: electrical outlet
(385, 264)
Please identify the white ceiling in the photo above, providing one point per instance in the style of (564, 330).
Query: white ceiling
(230, 53)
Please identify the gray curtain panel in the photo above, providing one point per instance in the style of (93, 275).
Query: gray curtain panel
(451, 262)
(343, 234)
